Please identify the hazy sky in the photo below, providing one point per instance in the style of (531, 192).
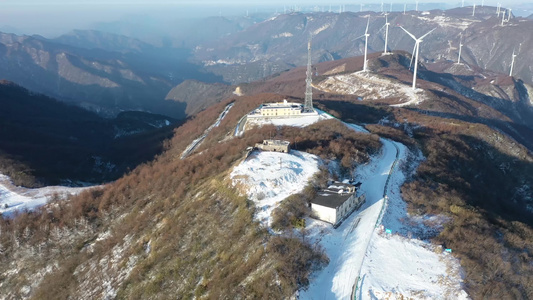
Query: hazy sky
(54, 17)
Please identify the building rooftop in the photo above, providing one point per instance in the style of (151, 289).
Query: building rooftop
(330, 199)
(335, 195)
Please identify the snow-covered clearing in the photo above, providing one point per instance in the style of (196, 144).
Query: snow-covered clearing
(269, 177)
(371, 87)
(14, 198)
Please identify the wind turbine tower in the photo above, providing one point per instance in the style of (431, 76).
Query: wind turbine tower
(460, 48)
(463, 5)
(498, 8)
(512, 64)
(365, 64)
(308, 104)
(474, 10)
(416, 6)
(386, 33)
(503, 17)
(416, 50)
(404, 8)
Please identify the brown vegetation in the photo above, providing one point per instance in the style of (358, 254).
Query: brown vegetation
(476, 176)
(169, 228)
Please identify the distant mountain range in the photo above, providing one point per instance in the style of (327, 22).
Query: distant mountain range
(280, 43)
(103, 72)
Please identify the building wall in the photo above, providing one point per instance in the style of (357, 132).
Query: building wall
(324, 213)
(276, 148)
(266, 111)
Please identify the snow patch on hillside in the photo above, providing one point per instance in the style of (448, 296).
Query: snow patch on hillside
(282, 35)
(444, 21)
(14, 198)
(400, 268)
(319, 30)
(370, 86)
(267, 178)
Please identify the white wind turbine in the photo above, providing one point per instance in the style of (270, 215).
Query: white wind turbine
(503, 17)
(460, 48)
(463, 5)
(474, 10)
(416, 6)
(512, 64)
(386, 33)
(416, 50)
(404, 7)
(365, 64)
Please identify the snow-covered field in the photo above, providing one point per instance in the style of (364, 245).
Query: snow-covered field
(14, 198)
(269, 177)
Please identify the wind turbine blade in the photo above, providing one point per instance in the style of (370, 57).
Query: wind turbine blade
(413, 55)
(427, 33)
(414, 38)
(359, 37)
(367, 23)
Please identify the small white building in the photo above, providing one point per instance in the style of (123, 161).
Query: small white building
(278, 110)
(274, 145)
(337, 202)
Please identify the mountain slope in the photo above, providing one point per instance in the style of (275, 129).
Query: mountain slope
(177, 227)
(52, 141)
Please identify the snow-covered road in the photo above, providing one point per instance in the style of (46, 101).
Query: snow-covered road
(346, 246)
(197, 142)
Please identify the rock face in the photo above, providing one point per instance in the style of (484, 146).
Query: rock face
(273, 45)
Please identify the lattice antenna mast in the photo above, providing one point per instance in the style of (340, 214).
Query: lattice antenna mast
(308, 104)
